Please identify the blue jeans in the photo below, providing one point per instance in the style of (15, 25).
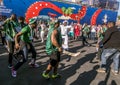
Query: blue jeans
(24, 49)
(107, 53)
(93, 36)
(31, 49)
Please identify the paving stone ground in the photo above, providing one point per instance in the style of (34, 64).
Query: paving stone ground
(78, 71)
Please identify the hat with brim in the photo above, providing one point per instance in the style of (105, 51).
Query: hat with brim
(32, 21)
(65, 21)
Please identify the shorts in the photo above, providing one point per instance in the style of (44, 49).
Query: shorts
(54, 58)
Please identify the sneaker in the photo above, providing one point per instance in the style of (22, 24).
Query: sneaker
(34, 65)
(46, 76)
(14, 73)
(114, 72)
(101, 70)
(56, 76)
(9, 66)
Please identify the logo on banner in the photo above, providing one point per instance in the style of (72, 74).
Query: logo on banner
(1, 3)
(3, 8)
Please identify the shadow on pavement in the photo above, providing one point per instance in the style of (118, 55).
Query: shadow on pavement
(86, 77)
(73, 68)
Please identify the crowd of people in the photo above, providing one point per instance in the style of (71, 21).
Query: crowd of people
(18, 37)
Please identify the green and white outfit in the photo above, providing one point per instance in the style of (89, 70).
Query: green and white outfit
(10, 31)
(26, 40)
(50, 48)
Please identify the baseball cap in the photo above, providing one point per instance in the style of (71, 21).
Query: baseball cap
(32, 20)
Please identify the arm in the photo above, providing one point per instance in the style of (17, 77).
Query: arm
(68, 28)
(54, 40)
(16, 40)
(35, 34)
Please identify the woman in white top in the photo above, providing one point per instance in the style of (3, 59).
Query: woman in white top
(93, 33)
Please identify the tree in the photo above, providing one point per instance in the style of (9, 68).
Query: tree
(63, 9)
(119, 17)
(70, 10)
(67, 11)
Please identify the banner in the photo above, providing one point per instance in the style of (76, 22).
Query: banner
(4, 11)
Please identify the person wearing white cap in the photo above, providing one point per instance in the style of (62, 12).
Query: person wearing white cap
(64, 32)
(26, 37)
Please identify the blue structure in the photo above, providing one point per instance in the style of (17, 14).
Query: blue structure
(20, 7)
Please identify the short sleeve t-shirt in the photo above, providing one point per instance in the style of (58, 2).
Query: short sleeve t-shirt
(64, 30)
(101, 34)
(85, 31)
(26, 31)
(9, 28)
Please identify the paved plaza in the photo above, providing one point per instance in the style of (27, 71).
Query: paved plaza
(81, 70)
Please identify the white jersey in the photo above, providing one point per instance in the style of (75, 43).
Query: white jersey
(64, 33)
(64, 29)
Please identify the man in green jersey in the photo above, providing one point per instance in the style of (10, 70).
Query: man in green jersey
(9, 26)
(26, 37)
(53, 49)
(85, 32)
(99, 44)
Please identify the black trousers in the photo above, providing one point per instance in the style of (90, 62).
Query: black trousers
(3, 40)
(84, 41)
(25, 47)
(11, 51)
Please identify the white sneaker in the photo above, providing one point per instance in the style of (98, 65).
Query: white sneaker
(14, 73)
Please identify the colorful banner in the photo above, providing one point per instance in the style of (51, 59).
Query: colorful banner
(4, 11)
(71, 12)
